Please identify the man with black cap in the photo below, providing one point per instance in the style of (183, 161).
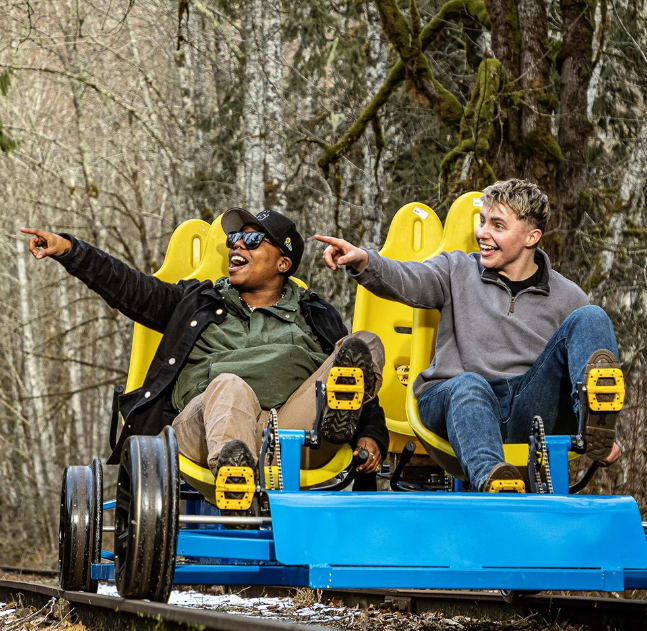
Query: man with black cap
(232, 348)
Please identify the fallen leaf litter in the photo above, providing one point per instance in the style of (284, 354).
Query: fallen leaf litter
(56, 615)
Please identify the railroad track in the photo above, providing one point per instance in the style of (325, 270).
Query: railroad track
(598, 614)
(28, 571)
(117, 614)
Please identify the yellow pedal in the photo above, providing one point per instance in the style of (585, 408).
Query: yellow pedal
(593, 390)
(507, 486)
(223, 488)
(356, 389)
(403, 374)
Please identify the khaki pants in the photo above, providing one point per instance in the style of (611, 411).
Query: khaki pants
(229, 410)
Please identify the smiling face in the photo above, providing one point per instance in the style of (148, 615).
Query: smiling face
(259, 269)
(506, 242)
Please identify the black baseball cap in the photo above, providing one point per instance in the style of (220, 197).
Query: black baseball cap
(280, 230)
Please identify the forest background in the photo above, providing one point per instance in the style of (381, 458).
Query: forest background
(121, 119)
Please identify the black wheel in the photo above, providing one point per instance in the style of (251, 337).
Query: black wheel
(80, 525)
(146, 518)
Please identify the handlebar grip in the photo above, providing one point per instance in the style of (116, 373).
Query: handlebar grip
(360, 458)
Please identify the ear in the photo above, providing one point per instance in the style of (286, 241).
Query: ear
(284, 264)
(532, 238)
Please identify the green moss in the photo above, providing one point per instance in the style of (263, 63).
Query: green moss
(5, 82)
(595, 279)
(450, 110)
(555, 48)
(477, 127)
(452, 10)
(395, 25)
(332, 153)
(6, 144)
(586, 201)
(635, 232)
(399, 32)
(543, 146)
(93, 190)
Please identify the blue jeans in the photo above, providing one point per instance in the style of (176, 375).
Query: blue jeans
(478, 415)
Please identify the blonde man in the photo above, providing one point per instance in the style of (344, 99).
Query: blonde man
(515, 336)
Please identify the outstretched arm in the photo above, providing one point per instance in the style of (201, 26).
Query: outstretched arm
(140, 297)
(420, 285)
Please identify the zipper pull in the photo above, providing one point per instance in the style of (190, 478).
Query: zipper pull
(511, 306)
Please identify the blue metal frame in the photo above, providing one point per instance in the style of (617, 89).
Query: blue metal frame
(434, 540)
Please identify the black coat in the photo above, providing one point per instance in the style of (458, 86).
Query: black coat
(182, 311)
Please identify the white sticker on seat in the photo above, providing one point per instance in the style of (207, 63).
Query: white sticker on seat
(420, 212)
(478, 201)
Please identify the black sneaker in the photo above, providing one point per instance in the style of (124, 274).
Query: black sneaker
(601, 422)
(237, 454)
(338, 426)
(504, 471)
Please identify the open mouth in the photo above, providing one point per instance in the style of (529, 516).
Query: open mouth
(487, 249)
(236, 262)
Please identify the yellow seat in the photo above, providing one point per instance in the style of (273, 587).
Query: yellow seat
(460, 225)
(197, 250)
(183, 256)
(415, 233)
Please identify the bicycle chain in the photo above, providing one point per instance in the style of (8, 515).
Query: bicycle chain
(274, 449)
(538, 428)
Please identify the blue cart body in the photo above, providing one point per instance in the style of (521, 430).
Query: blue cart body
(439, 540)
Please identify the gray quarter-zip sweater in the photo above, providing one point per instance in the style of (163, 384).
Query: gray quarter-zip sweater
(482, 329)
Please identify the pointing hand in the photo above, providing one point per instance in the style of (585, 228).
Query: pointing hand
(50, 244)
(340, 252)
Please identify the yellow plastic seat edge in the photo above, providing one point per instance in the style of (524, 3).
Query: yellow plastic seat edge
(202, 480)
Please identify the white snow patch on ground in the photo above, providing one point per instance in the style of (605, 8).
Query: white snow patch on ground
(262, 607)
(5, 612)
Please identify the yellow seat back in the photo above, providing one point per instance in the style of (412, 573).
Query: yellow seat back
(414, 233)
(458, 235)
(185, 252)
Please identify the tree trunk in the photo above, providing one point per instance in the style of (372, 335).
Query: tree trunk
(373, 143)
(574, 126)
(79, 429)
(42, 442)
(273, 107)
(253, 108)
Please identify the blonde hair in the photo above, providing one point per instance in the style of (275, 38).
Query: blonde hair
(524, 198)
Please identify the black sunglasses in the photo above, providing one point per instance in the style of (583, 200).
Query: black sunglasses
(251, 239)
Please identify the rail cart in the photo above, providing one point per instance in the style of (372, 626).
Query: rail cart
(425, 532)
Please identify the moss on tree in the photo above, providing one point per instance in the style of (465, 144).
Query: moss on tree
(477, 126)
(448, 107)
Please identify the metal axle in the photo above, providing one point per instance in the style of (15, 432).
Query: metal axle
(216, 519)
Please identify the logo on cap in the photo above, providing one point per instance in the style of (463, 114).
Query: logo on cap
(288, 244)
(264, 214)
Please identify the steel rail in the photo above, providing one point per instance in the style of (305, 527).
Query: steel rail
(598, 614)
(32, 571)
(119, 614)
